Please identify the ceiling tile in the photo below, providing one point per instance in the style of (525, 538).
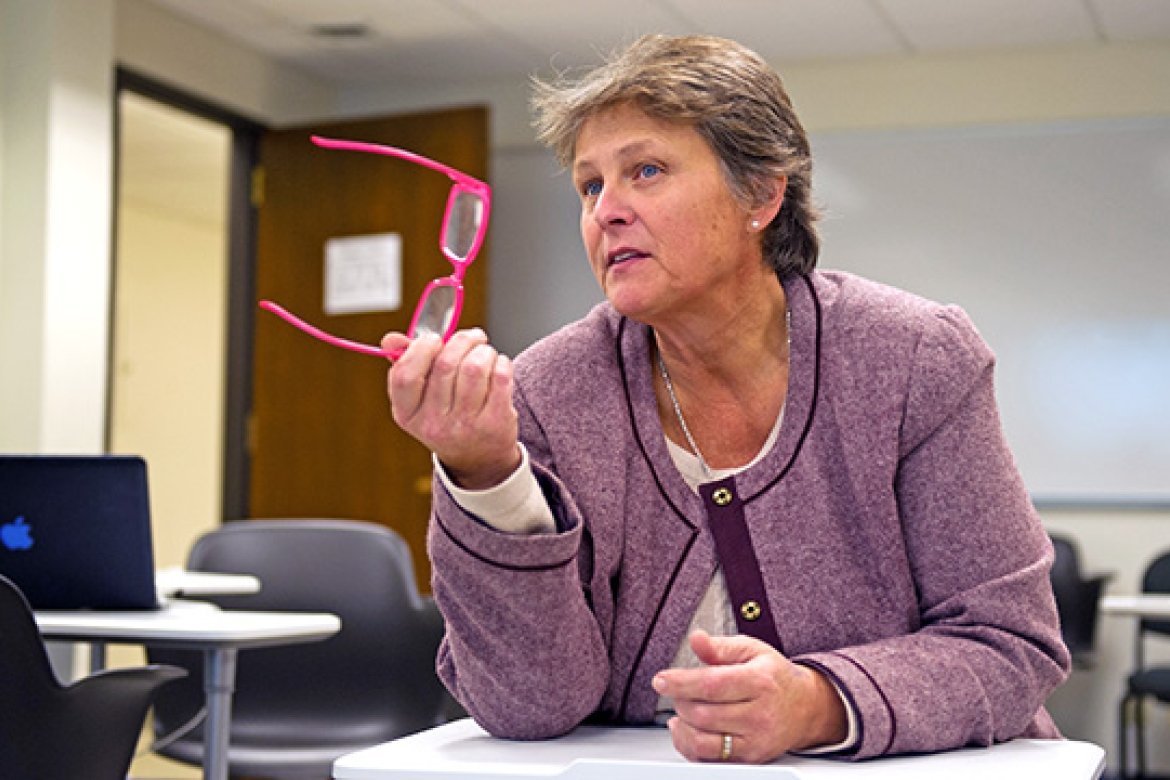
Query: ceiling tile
(943, 25)
(285, 27)
(787, 30)
(390, 63)
(570, 35)
(240, 19)
(1133, 20)
(399, 19)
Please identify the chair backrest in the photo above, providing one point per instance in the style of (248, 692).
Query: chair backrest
(1077, 599)
(1066, 565)
(1156, 579)
(47, 730)
(23, 660)
(373, 681)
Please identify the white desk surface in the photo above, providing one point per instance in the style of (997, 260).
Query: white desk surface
(462, 751)
(186, 623)
(174, 582)
(1147, 605)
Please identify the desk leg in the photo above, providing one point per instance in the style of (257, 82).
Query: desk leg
(219, 683)
(97, 656)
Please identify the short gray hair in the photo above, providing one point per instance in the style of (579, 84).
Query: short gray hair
(732, 98)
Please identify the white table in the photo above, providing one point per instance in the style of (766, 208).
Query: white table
(462, 751)
(1146, 605)
(220, 634)
(176, 583)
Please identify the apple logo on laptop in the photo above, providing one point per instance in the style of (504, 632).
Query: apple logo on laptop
(16, 535)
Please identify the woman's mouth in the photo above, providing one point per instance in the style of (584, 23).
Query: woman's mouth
(623, 256)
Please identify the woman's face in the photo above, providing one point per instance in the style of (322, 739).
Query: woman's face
(664, 234)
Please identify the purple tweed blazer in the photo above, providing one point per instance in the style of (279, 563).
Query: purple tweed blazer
(898, 550)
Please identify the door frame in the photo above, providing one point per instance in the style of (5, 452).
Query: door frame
(241, 258)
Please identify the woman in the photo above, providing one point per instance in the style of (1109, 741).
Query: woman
(768, 505)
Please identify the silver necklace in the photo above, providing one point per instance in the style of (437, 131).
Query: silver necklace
(679, 415)
(678, 409)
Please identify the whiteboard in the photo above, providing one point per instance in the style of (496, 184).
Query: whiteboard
(1056, 240)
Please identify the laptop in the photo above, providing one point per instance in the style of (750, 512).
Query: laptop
(75, 531)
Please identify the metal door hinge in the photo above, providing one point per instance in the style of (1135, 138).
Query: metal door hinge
(251, 434)
(258, 183)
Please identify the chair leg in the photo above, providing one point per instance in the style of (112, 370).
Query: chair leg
(1139, 720)
(1123, 739)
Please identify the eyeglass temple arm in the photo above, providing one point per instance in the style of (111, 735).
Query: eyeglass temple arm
(328, 338)
(456, 175)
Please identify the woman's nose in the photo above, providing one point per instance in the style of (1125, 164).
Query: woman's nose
(613, 207)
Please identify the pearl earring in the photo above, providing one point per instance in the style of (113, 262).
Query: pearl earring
(755, 224)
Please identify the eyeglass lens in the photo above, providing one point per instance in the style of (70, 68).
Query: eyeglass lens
(435, 311)
(462, 224)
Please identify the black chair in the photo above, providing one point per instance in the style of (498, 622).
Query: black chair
(1144, 681)
(297, 708)
(1078, 599)
(49, 730)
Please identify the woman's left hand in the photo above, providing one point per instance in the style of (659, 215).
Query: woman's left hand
(748, 690)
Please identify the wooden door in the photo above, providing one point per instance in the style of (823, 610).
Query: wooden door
(323, 443)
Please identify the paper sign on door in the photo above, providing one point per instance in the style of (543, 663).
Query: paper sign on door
(363, 273)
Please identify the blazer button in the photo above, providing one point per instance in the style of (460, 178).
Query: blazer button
(750, 610)
(722, 496)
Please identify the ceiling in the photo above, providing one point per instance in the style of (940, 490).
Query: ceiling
(441, 42)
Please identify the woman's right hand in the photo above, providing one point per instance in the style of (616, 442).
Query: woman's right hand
(456, 399)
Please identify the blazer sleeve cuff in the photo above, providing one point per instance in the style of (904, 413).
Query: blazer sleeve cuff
(515, 506)
(875, 720)
(456, 531)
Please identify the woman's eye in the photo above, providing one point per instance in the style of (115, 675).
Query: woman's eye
(648, 171)
(591, 189)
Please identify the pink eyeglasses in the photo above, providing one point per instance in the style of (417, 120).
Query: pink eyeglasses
(464, 226)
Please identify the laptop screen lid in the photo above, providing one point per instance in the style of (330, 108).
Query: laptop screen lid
(75, 531)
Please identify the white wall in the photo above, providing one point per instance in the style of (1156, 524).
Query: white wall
(55, 223)
(1044, 233)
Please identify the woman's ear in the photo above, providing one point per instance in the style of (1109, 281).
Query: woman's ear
(762, 215)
